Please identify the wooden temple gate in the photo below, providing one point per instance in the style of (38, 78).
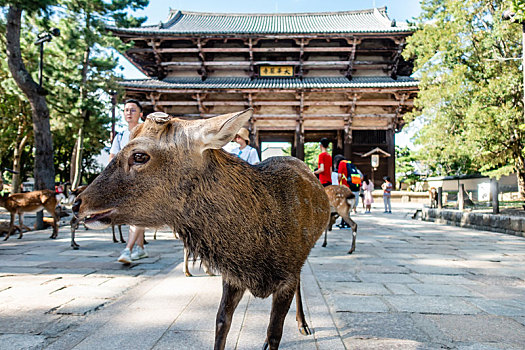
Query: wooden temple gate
(338, 75)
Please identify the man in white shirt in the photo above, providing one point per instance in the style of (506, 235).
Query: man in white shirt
(132, 115)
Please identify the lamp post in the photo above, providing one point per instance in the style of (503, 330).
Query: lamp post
(41, 39)
(508, 15)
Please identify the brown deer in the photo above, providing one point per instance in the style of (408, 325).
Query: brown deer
(20, 203)
(341, 203)
(75, 222)
(255, 224)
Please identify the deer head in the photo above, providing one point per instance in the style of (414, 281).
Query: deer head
(156, 169)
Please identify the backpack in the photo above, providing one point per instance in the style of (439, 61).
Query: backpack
(353, 175)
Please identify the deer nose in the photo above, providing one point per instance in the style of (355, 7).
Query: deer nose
(76, 206)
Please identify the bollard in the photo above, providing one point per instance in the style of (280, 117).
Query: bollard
(461, 198)
(494, 189)
(440, 197)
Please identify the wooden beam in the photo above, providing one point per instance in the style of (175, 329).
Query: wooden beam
(243, 64)
(351, 59)
(203, 71)
(158, 59)
(395, 59)
(252, 69)
(302, 104)
(183, 50)
(385, 90)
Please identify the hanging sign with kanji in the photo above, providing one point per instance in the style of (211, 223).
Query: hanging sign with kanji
(276, 71)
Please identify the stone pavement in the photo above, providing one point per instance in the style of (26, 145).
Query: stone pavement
(409, 285)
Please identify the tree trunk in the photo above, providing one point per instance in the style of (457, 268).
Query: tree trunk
(76, 164)
(17, 164)
(44, 171)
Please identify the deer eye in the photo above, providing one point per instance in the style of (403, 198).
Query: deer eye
(138, 158)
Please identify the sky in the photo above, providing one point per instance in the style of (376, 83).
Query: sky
(158, 10)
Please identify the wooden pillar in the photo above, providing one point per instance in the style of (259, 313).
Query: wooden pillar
(440, 197)
(347, 146)
(391, 161)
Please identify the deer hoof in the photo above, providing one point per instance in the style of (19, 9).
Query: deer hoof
(265, 346)
(122, 241)
(115, 241)
(188, 274)
(324, 245)
(305, 330)
(351, 251)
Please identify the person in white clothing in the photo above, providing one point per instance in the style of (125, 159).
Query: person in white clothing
(245, 151)
(132, 115)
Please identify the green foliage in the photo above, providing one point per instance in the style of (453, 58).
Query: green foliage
(405, 165)
(470, 99)
(79, 72)
(311, 153)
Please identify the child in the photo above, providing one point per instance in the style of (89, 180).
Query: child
(387, 189)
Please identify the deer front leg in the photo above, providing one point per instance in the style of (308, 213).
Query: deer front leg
(21, 224)
(231, 296)
(281, 301)
(74, 225)
(120, 233)
(301, 321)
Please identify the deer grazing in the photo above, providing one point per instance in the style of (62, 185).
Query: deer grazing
(255, 224)
(29, 202)
(75, 221)
(341, 203)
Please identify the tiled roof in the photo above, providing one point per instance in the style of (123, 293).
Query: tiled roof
(183, 22)
(273, 83)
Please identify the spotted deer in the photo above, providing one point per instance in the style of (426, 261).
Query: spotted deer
(341, 203)
(255, 224)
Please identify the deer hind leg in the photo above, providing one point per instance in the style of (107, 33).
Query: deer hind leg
(12, 227)
(231, 296)
(281, 301)
(353, 226)
(301, 321)
(21, 223)
(333, 217)
(55, 223)
(186, 258)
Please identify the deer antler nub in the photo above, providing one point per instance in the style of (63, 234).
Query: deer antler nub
(159, 117)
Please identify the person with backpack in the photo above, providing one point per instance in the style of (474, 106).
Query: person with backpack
(350, 177)
(135, 247)
(387, 194)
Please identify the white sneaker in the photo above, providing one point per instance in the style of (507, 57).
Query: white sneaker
(138, 253)
(125, 257)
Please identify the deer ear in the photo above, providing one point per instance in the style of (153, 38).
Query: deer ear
(218, 131)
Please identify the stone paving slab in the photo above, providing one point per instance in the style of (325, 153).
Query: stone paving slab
(409, 285)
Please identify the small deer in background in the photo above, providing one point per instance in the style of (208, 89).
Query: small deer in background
(255, 224)
(341, 203)
(75, 221)
(30, 202)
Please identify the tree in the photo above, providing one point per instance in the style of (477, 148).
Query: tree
(470, 98)
(79, 71)
(43, 167)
